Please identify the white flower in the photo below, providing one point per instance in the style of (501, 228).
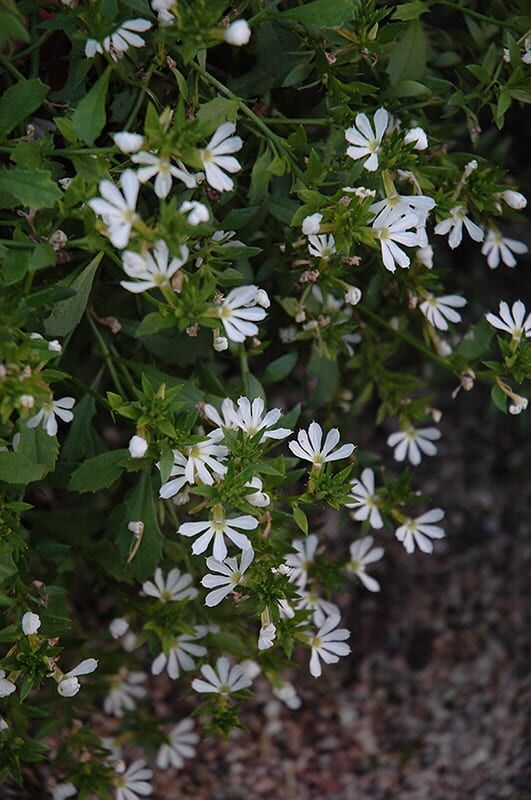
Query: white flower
(309, 446)
(217, 528)
(117, 210)
(164, 170)
(121, 40)
(329, 644)
(353, 295)
(6, 687)
(395, 206)
(425, 256)
(390, 233)
(439, 309)
(361, 554)
(365, 140)
(258, 498)
(118, 627)
(230, 574)
(152, 270)
(216, 158)
(181, 740)
(267, 636)
(364, 500)
(512, 321)
(320, 608)
(223, 680)
(174, 588)
(287, 694)
(498, 247)
(128, 142)
(239, 313)
(252, 418)
(237, 33)
(137, 446)
(30, 623)
(514, 199)
(250, 669)
(311, 224)
(63, 790)
(69, 685)
(134, 782)
(322, 246)
(412, 442)
(27, 400)
(520, 404)
(197, 462)
(417, 137)
(454, 226)
(125, 691)
(421, 531)
(220, 343)
(360, 191)
(163, 10)
(179, 655)
(48, 413)
(299, 561)
(196, 212)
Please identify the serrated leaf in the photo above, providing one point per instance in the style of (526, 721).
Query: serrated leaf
(99, 472)
(15, 468)
(67, 314)
(18, 102)
(140, 506)
(33, 188)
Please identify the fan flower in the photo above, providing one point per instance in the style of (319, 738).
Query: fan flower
(30, 623)
(362, 553)
(125, 691)
(200, 461)
(48, 413)
(417, 137)
(322, 246)
(239, 313)
(224, 680)
(128, 142)
(453, 225)
(328, 644)
(300, 561)
(216, 160)
(152, 270)
(309, 446)
(217, 528)
(132, 782)
(251, 417)
(117, 210)
(364, 500)
(496, 247)
(229, 575)
(174, 588)
(411, 443)
(311, 224)
(179, 655)
(196, 212)
(364, 141)
(392, 233)
(438, 310)
(120, 41)
(6, 686)
(180, 745)
(421, 531)
(287, 693)
(512, 320)
(165, 172)
(267, 636)
(257, 498)
(320, 608)
(69, 685)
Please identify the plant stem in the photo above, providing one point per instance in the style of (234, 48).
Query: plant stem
(106, 356)
(244, 368)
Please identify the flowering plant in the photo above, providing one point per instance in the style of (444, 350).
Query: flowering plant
(236, 244)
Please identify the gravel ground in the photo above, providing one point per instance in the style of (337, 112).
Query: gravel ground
(435, 701)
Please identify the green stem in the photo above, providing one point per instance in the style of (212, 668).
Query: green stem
(106, 356)
(13, 71)
(245, 372)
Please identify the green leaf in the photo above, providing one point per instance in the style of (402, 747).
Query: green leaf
(326, 375)
(412, 10)
(407, 88)
(99, 472)
(18, 102)
(499, 399)
(34, 188)
(140, 506)
(324, 13)
(408, 59)
(477, 341)
(67, 314)
(214, 113)
(301, 519)
(89, 116)
(16, 468)
(280, 368)
(38, 447)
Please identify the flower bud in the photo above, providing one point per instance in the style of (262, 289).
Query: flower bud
(238, 33)
(196, 212)
(137, 446)
(128, 142)
(417, 137)
(514, 199)
(220, 343)
(311, 224)
(30, 623)
(519, 405)
(262, 298)
(118, 627)
(27, 400)
(68, 687)
(353, 295)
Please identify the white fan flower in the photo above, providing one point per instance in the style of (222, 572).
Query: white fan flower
(48, 413)
(152, 270)
(320, 608)
(224, 680)
(164, 170)
(300, 561)
(364, 500)
(395, 206)
(453, 225)
(229, 575)
(513, 321)
(311, 224)
(69, 685)
(366, 141)
(118, 627)
(217, 528)
(266, 637)
(421, 531)
(179, 655)
(497, 247)
(328, 644)
(309, 446)
(417, 137)
(128, 142)
(133, 782)
(287, 693)
(257, 498)
(363, 553)
(173, 588)
(120, 41)
(411, 443)
(180, 745)
(196, 212)
(240, 311)
(125, 690)
(117, 210)
(322, 246)
(30, 623)
(251, 417)
(441, 310)
(392, 233)
(216, 158)
(237, 33)
(199, 462)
